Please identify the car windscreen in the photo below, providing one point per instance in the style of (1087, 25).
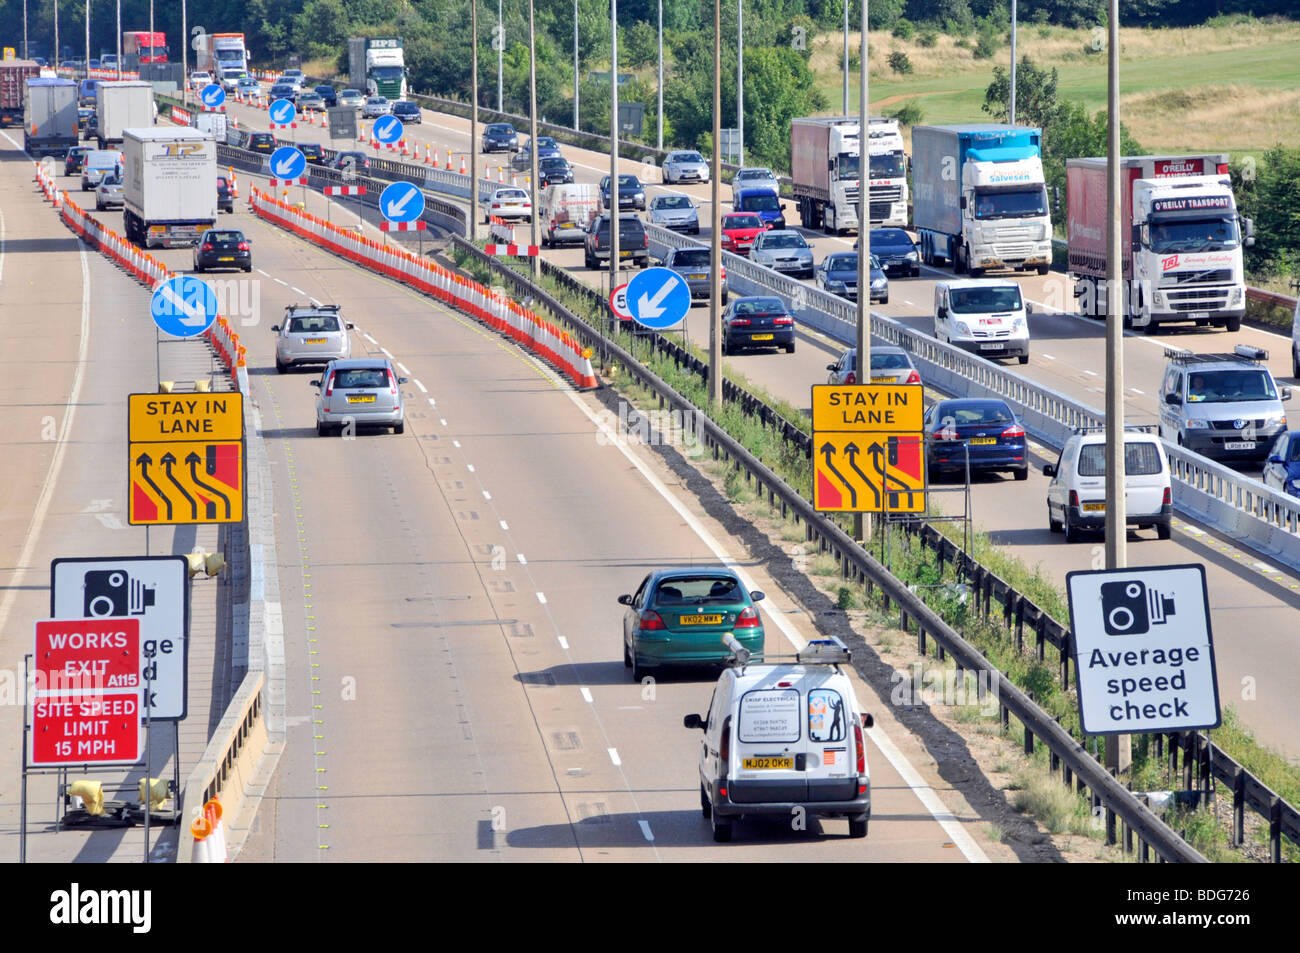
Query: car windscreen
(690, 590)
(889, 237)
(785, 241)
(499, 129)
(351, 377)
(692, 258)
(111, 179)
(1293, 452)
(628, 182)
(673, 201)
(982, 412)
(842, 263)
(313, 323)
(888, 166)
(1215, 387)
(761, 203)
(553, 162)
(688, 157)
(546, 142)
(984, 300)
(742, 221)
(1140, 459)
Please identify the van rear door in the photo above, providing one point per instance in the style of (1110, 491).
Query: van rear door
(832, 762)
(1145, 477)
(769, 743)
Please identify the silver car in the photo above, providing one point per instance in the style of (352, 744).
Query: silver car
(889, 365)
(352, 98)
(108, 194)
(676, 212)
(693, 265)
(783, 250)
(685, 166)
(756, 178)
(362, 392)
(311, 334)
(375, 107)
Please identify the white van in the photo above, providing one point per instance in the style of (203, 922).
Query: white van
(1076, 497)
(784, 739)
(985, 315)
(566, 211)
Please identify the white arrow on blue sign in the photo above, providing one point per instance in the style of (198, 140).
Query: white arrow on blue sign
(658, 298)
(213, 96)
(282, 112)
(288, 163)
(401, 202)
(388, 129)
(183, 306)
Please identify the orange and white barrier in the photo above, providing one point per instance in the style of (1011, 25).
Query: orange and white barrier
(523, 326)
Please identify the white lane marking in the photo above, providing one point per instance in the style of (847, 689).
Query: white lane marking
(261, 272)
(314, 302)
(503, 525)
(520, 557)
(298, 291)
(60, 447)
(423, 389)
(613, 756)
(456, 444)
(443, 421)
(645, 830)
(402, 367)
(432, 402)
(1194, 530)
(279, 281)
(564, 643)
(469, 467)
(945, 819)
(586, 693)
(487, 495)
(1137, 391)
(1263, 567)
(1048, 357)
(387, 353)
(541, 597)
(370, 339)
(1092, 373)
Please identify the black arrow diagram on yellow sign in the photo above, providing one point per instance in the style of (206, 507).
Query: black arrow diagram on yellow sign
(878, 463)
(194, 460)
(851, 451)
(144, 460)
(167, 461)
(828, 451)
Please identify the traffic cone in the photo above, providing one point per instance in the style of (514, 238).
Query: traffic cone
(404, 152)
(426, 153)
(514, 180)
(362, 137)
(462, 162)
(501, 175)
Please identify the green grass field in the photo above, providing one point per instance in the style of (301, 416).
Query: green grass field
(1232, 88)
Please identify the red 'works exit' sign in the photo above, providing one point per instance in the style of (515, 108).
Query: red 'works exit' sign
(87, 655)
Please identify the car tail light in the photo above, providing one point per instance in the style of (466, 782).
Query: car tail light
(735, 321)
(651, 622)
(947, 433)
(1014, 431)
(913, 378)
(851, 378)
(724, 747)
(329, 386)
(862, 749)
(645, 241)
(207, 247)
(748, 619)
(392, 383)
(1168, 498)
(722, 274)
(1074, 499)
(243, 246)
(784, 321)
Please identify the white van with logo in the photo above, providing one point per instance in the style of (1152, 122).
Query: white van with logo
(1076, 497)
(784, 739)
(566, 211)
(987, 316)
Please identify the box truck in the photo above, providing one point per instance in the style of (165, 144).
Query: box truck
(170, 186)
(1181, 240)
(825, 164)
(980, 198)
(121, 105)
(14, 75)
(376, 64)
(50, 116)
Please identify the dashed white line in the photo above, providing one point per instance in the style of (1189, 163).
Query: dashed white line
(1263, 567)
(541, 597)
(586, 694)
(1137, 391)
(298, 291)
(520, 557)
(455, 443)
(261, 272)
(387, 353)
(469, 467)
(487, 495)
(1090, 373)
(1048, 357)
(315, 303)
(564, 643)
(645, 830)
(280, 281)
(402, 367)
(504, 526)
(432, 402)
(443, 421)
(613, 756)
(370, 339)
(1194, 530)
(423, 389)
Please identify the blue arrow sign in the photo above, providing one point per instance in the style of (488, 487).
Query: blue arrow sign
(288, 163)
(388, 129)
(183, 306)
(213, 96)
(401, 202)
(658, 298)
(283, 112)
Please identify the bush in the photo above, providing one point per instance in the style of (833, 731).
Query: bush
(986, 47)
(904, 29)
(927, 38)
(909, 114)
(899, 62)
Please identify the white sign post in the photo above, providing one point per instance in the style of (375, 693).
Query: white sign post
(1143, 651)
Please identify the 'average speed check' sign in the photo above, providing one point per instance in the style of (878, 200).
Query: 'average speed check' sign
(1143, 652)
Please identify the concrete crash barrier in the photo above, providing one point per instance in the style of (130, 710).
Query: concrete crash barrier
(525, 328)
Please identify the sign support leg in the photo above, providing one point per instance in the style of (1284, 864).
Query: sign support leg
(148, 753)
(22, 815)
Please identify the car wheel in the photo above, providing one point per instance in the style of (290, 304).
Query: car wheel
(724, 304)
(857, 827)
(1053, 526)
(280, 366)
(627, 657)
(638, 670)
(1071, 534)
(1164, 530)
(400, 428)
(931, 474)
(1022, 473)
(789, 348)
(721, 829)
(916, 272)
(1295, 363)
(1023, 358)
(197, 267)
(706, 806)
(322, 429)
(1151, 328)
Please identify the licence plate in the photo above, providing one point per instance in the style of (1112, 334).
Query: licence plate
(1198, 315)
(1094, 507)
(701, 619)
(361, 398)
(314, 341)
(882, 380)
(761, 337)
(1239, 445)
(767, 764)
(990, 347)
(697, 277)
(624, 254)
(983, 441)
(227, 258)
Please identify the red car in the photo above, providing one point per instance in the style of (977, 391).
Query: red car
(739, 229)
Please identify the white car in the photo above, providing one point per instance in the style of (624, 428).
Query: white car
(375, 107)
(986, 316)
(509, 203)
(199, 79)
(685, 165)
(1076, 497)
(353, 98)
(751, 178)
(293, 77)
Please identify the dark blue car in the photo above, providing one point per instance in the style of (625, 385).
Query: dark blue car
(329, 94)
(1282, 468)
(763, 202)
(987, 428)
(896, 251)
(499, 137)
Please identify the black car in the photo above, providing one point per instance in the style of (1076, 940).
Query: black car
(225, 195)
(554, 170)
(757, 321)
(631, 194)
(328, 94)
(500, 137)
(313, 152)
(633, 242)
(350, 161)
(261, 142)
(896, 251)
(75, 159)
(407, 112)
(223, 248)
(284, 91)
(986, 428)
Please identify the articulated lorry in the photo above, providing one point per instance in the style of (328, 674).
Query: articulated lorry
(50, 116)
(219, 53)
(169, 186)
(121, 105)
(14, 75)
(825, 166)
(887, 172)
(376, 64)
(141, 46)
(1181, 240)
(980, 198)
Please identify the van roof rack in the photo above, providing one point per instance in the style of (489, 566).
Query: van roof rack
(290, 308)
(1242, 353)
(827, 651)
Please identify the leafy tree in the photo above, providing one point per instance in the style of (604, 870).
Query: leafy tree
(1074, 134)
(1277, 212)
(1036, 100)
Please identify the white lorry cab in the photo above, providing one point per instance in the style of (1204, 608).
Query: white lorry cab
(985, 315)
(784, 738)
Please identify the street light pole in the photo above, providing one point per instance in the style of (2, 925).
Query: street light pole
(575, 64)
(740, 82)
(86, 64)
(185, 50)
(613, 152)
(861, 521)
(660, 126)
(501, 46)
(118, 46)
(1012, 113)
(25, 56)
(473, 121)
(534, 260)
(58, 52)
(846, 57)
(715, 216)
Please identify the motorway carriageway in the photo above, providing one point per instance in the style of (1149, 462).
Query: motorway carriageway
(455, 686)
(1254, 602)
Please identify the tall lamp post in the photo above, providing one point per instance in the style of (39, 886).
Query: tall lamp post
(659, 139)
(862, 522)
(613, 138)
(534, 260)
(575, 64)
(846, 57)
(501, 46)
(1012, 98)
(118, 46)
(473, 121)
(715, 216)
(740, 82)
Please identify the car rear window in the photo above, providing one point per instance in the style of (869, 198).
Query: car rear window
(785, 241)
(985, 412)
(1140, 459)
(769, 715)
(361, 377)
(225, 236)
(692, 258)
(313, 324)
(673, 201)
(761, 203)
(760, 306)
(888, 362)
(827, 719)
(690, 590)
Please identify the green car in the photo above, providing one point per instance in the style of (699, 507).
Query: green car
(679, 616)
